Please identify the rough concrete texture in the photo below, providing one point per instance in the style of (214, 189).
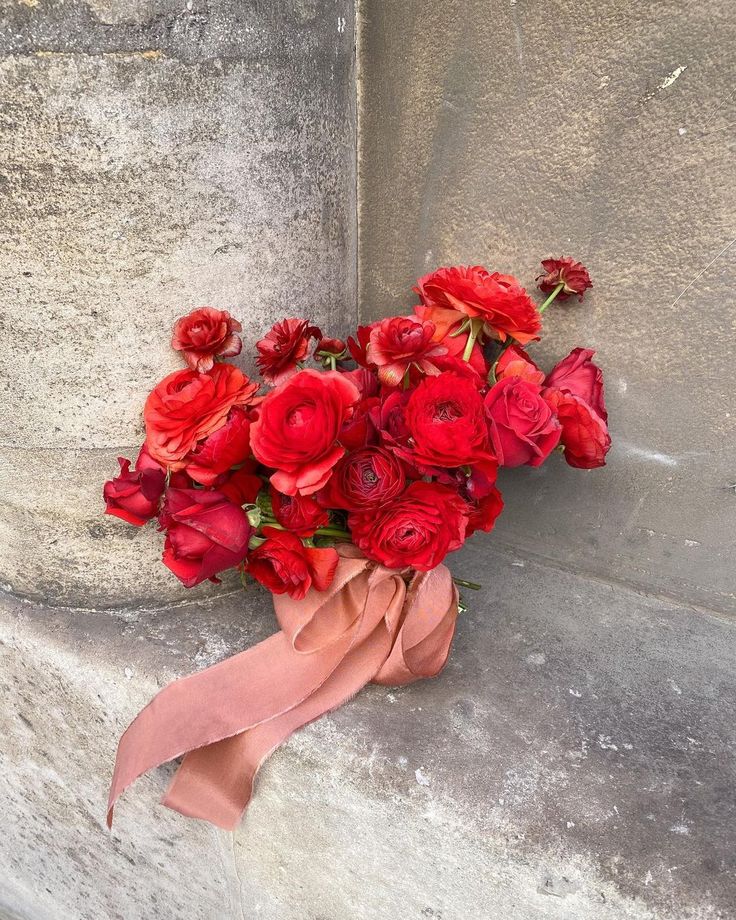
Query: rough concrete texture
(156, 156)
(502, 132)
(575, 761)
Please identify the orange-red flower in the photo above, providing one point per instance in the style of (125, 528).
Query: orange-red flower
(206, 334)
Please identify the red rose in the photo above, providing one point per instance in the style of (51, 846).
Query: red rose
(418, 529)
(574, 275)
(578, 375)
(188, 406)
(446, 419)
(285, 566)
(283, 348)
(134, 496)
(205, 534)
(400, 343)
(523, 427)
(452, 294)
(204, 335)
(515, 362)
(221, 451)
(241, 486)
(365, 479)
(483, 513)
(584, 433)
(298, 513)
(298, 426)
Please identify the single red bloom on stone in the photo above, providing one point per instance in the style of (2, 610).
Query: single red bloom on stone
(585, 434)
(204, 335)
(298, 513)
(574, 275)
(400, 343)
(285, 566)
(282, 349)
(451, 294)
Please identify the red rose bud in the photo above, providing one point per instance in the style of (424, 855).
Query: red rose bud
(222, 450)
(242, 486)
(285, 566)
(515, 362)
(523, 428)
(205, 534)
(283, 348)
(331, 352)
(134, 496)
(449, 295)
(298, 513)
(400, 343)
(188, 406)
(483, 513)
(573, 275)
(365, 479)
(585, 434)
(204, 335)
(446, 419)
(298, 426)
(578, 375)
(417, 529)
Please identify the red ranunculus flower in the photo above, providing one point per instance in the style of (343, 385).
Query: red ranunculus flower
(417, 529)
(585, 434)
(483, 513)
(298, 426)
(285, 566)
(390, 418)
(452, 294)
(515, 362)
(574, 275)
(134, 496)
(446, 419)
(205, 534)
(400, 343)
(222, 450)
(578, 375)
(365, 479)
(300, 514)
(242, 485)
(188, 406)
(523, 427)
(204, 335)
(283, 348)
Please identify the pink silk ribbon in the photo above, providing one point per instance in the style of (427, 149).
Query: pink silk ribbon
(226, 720)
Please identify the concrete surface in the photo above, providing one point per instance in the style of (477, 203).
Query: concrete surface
(156, 156)
(575, 761)
(502, 132)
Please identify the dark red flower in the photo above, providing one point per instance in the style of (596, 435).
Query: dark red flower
(222, 450)
(188, 406)
(282, 349)
(134, 496)
(205, 534)
(204, 335)
(483, 513)
(360, 429)
(365, 479)
(400, 343)
(451, 294)
(574, 275)
(578, 375)
(298, 427)
(515, 362)
(417, 529)
(242, 485)
(585, 434)
(300, 514)
(285, 566)
(389, 418)
(524, 430)
(446, 419)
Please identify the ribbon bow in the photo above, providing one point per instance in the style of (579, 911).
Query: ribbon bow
(226, 720)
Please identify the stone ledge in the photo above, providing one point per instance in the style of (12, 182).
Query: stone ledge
(575, 760)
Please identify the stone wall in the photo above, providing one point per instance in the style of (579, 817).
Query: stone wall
(500, 133)
(155, 156)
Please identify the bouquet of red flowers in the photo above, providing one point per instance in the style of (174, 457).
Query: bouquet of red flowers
(343, 487)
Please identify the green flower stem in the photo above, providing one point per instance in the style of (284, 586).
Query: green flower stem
(473, 585)
(334, 532)
(476, 324)
(552, 296)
